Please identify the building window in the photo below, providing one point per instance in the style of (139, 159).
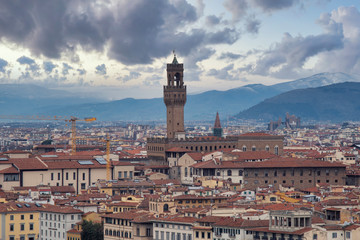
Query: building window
(52, 176)
(125, 174)
(284, 173)
(240, 172)
(318, 172)
(11, 227)
(31, 226)
(334, 235)
(348, 235)
(244, 148)
(253, 148)
(120, 174)
(209, 235)
(74, 175)
(275, 173)
(83, 176)
(31, 216)
(276, 150)
(10, 177)
(229, 172)
(22, 227)
(58, 176)
(83, 186)
(11, 217)
(67, 176)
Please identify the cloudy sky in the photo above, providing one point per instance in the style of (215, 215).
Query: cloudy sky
(119, 48)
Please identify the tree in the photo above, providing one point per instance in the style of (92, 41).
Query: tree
(92, 231)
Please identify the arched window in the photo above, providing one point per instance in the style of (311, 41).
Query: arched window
(253, 148)
(210, 148)
(110, 232)
(244, 148)
(240, 172)
(229, 172)
(276, 150)
(166, 207)
(118, 233)
(267, 148)
(106, 232)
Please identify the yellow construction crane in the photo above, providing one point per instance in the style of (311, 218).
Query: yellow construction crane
(107, 140)
(72, 119)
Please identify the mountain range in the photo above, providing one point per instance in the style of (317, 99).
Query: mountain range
(334, 103)
(36, 100)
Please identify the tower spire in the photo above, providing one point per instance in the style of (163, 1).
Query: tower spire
(175, 61)
(217, 131)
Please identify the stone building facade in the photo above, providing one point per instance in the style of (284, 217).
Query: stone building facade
(175, 99)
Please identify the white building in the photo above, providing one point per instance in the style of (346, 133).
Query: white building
(176, 228)
(55, 221)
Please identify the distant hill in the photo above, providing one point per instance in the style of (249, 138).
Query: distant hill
(201, 106)
(336, 102)
(27, 99)
(317, 80)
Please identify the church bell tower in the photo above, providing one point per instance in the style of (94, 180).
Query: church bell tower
(175, 99)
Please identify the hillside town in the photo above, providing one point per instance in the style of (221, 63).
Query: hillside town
(217, 181)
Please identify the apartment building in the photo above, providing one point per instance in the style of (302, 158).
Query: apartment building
(55, 221)
(19, 221)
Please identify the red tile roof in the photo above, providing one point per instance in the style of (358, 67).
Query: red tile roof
(9, 170)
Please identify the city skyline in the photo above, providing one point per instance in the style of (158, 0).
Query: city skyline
(119, 49)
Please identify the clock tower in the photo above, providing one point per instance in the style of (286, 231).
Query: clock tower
(175, 99)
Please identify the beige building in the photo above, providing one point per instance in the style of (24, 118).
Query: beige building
(122, 225)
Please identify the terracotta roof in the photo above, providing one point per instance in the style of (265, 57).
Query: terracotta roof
(28, 164)
(197, 156)
(177, 149)
(10, 207)
(74, 165)
(59, 209)
(271, 163)
(62, 189)
(256, 134)
(252, 155)
(9, 170)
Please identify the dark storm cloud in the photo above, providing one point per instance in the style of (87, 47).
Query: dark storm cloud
(3, 65)
(291, 53)
(30, 64)
(49, 66)
(65, 69)
(252, 25)
(222, 74)
(273, 5)
(101, 69)
(134, 32)
(238, 8)
(228, 36)
(212, 20)
(81, 71)
(229, 55)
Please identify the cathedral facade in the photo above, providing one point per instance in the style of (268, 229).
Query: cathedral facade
(175, 99)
